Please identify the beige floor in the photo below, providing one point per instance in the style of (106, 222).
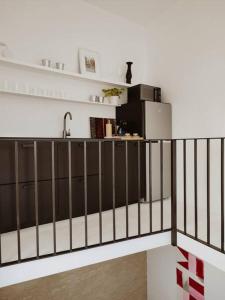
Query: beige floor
(118, 279)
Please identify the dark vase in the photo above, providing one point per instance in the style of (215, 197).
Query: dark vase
(129, 73)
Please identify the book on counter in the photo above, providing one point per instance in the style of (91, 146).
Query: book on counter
(98, 127)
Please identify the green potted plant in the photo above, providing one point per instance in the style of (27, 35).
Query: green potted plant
(113, 95)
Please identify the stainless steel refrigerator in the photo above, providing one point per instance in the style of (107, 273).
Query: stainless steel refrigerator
(152, 120)
(158, 125)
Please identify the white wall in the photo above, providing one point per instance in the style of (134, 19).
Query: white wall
(187, 60)
(187, 46)
(56, 29)
(161, 278)
(214, 283)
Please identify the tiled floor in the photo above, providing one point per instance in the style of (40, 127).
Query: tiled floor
(28, 240)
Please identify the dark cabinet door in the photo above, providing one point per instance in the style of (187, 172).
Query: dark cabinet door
(27, 204)
(77, 159)
(78, 199)
(7, 208)
(26, 161)
(45, 206)
(120, 173)
(7, 162)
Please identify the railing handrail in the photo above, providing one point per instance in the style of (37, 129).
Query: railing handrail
(78, 139)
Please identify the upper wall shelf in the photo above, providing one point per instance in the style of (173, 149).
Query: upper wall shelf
(71, 99)
(25, 65)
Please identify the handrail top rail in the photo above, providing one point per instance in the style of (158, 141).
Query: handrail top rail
(50, 139)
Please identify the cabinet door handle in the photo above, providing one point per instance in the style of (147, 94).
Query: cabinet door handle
(28, 185)
(27, 145)
(119, 144)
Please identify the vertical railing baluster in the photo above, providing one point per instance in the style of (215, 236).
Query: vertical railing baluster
(139, 189)
(100, 188)
(208, 191)
(36, 198)
(127, 190)
(0, 240)
(70, 195)
(85, 194)
(161, 184)
(185, 185)
(196, 185)
(113, 191)
(53, 196)
(0, 246)
(150, 186)
(174, 192)
(17, 200)
(222, 195)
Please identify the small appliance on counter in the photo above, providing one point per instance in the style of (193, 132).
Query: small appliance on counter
(143, 92)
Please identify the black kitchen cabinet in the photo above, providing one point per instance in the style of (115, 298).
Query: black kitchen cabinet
(45, 206)
(7, 162)
(7, 208)
(8, 211)
(77, 159)
(78, 205)
(25, 161)
(27, 203)
(26, 184)
(120, 174)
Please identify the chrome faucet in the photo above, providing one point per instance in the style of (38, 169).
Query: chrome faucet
(66, 132)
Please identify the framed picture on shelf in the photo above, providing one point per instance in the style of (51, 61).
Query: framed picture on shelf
(89, 63)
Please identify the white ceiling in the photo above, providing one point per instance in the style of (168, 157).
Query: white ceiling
(141, 12)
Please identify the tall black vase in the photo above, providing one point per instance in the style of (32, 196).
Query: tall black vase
(129, 73)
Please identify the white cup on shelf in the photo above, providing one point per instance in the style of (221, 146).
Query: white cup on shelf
(45, 92)
(60, 94)
(5, 85)
(64, 94)
(2, 85)
(10, 85)
(31, 90)
(39, 91)
(50, 93)
(17, 87)
(25, 88)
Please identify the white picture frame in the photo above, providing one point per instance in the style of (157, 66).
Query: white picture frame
(89, 63)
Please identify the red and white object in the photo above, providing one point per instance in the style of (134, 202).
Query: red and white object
(192, 263)
(189, 288)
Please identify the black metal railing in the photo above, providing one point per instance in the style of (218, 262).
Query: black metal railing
(116, 187)
(202, 199)
(124, 172)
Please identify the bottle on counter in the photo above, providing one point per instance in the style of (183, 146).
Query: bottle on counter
(108, 129)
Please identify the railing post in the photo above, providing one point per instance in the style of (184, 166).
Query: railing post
(174, 192)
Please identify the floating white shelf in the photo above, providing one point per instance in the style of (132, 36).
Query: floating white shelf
(60, 72)
(18, 93)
